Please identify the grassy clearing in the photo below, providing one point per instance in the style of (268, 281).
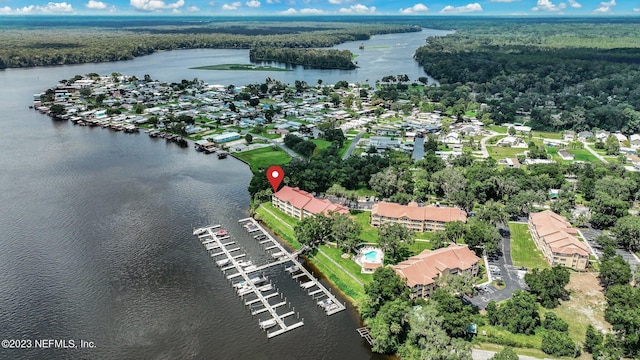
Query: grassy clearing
(547, 135)
(585, 307)
(583, 155)
(349, 264)
(499, 152)
(523, 249)
(321, 144)
(264, 157)
(501, 336)
(419, 246)
(520, 351)
(498, 129)
(243, 67)
(342, 281)
(369, 233)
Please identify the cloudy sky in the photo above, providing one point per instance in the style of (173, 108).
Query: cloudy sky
(324, 7)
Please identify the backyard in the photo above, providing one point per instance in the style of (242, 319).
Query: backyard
(523, 249)
(264, 157)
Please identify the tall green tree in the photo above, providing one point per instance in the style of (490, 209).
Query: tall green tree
(627, 232)
(313, 230)
(548, 285)
(385, 286)
(395, 239)
(345, 232)
(481, 236)
(592, 339)
(614, 271)
(390, 326)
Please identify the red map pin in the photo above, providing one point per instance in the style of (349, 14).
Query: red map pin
(275, 175)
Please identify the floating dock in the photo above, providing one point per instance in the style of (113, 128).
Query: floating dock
(250, 285)
(324, 298)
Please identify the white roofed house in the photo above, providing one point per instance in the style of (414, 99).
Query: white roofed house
(621, 138)
(635, 140)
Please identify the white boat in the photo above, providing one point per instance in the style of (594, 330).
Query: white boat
(266, 288)
(245, 263)
(250, 268)
(244, 291)
(292, 269)
(277, 255)
(325, 302)
(222, 262)
(268, 324)
(258, 279)
(199, 231)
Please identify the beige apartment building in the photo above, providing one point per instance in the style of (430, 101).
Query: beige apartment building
(558, 240)
(420, 219)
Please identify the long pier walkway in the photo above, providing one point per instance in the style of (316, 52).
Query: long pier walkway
(213, 239)
(315, 289)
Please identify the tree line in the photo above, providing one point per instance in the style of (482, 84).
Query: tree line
(313, 58)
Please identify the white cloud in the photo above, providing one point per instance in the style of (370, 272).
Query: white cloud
(193, 8)
(231, 6)
(97, 5)
(289, 11)
(155, 5)
(212, 3)
(49, 8)
(605, 6)
(308, 11)
(358, 9)
(574, 4)
(475, 7)
(335, 2)
(273, 1)
(417, 8)
(505, 1)
(547, 5)
(253, 4)
(636, 9)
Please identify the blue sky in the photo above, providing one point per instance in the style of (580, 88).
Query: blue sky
(324, 7)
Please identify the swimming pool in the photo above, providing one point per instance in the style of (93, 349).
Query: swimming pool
(372, 256)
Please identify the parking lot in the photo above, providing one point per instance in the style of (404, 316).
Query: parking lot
(500, 267)
(589, 234)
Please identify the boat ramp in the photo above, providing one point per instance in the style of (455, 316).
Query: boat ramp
(250, 284)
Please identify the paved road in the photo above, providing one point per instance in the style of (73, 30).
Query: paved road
(589, 234)
(352, 147)
(478, 354)
(513, 278)
(286, 149)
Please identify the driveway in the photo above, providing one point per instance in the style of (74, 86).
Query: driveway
(589, 234)
(513, 278)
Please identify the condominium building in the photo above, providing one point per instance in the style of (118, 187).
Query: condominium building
(558, 240)
(422, 270)
(421, 219)
(299, 203)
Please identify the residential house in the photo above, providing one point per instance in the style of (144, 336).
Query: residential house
(299, 203)
(422, 270)
(635, 140)
(585, 135)
(601, 135)
(558, 240)
(382, 143)
(509, 141)
(421, 219)
(569, 135)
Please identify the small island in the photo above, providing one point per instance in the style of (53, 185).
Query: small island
(240, 67)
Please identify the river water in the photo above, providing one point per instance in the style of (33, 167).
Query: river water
(95, 226)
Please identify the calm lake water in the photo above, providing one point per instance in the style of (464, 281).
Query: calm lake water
(95, 226)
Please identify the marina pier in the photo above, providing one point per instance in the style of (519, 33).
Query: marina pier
(251, 285)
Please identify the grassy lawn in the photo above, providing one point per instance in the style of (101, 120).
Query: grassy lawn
(499, 335)
(264, 157)
(276, 225)
(321, 144)
(523, 249)
(344, 282)
(547, 135)
(583, 155)
(498, 129)
(499, 152)
(520, 351)
(419, 246)
(349, 264)
(369, 233)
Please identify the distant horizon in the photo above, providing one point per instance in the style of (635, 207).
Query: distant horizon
(323, 8)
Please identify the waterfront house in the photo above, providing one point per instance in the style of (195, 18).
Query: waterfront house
(558, 240)
(420, 219)
(299, 203)
(422, 271)
(225, 137)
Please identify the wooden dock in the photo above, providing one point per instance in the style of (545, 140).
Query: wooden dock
(227, 259)
(315, 289)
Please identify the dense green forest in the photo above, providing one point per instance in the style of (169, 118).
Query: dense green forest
(55, 46)
(562, 74)
(314, 58)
